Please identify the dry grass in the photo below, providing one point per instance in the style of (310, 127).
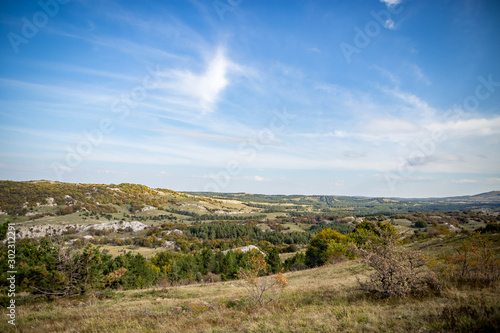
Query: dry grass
(116, 250)
(323, 299)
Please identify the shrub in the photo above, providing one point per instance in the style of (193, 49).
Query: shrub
(292, 248)
(265, 289)
(420, 224)
(474, 263)
(112, 278)
(398, 272)
(490, 228)
(210, 277)
(296, 263)
(466, 318)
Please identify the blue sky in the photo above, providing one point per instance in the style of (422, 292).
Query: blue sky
(375, 98)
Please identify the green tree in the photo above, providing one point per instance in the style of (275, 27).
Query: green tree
(3, 230)
(273, 261)
(296, 263)
(326, 244)
(229, 266)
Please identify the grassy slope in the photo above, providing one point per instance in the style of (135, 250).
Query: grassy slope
(324, 299)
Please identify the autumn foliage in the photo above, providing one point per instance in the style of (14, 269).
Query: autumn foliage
(473, 263)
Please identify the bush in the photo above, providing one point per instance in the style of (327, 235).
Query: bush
(474, 263)
(296, 263)
(466, 318)
(398, 272)
(420, 224)
(210, 278)
(490, 228)
(292, 248)
(261, 290)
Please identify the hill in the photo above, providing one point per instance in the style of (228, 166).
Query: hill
(47, 208)
(39, 198)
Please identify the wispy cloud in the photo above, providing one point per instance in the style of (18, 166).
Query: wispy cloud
(464, 181)
(387, 74)
(260, 179)
(417, 71)
(474, 127)
(203, 88)
(390, 3)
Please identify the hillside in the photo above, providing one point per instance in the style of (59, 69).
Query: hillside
(129, 258)
(324, 299)
(36, 199)
(488, 197)
(47, 208)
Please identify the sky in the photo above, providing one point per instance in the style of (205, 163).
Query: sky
(388, 98)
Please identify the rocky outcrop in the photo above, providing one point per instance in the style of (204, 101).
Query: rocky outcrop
(245, 249)
(115, 225)
(145, 209)
(36, 231)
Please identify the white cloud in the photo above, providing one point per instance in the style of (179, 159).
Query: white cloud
(389, 24)
(384, 177)
(203, 89)
(468, 127)
(384, 72)
(390, 3)
(417, 71)
(354, 154)
(387, 126)
(415, 104)
(464, 181)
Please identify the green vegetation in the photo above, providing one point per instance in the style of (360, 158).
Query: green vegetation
(327, 299)
(303, 205)
(347, 263)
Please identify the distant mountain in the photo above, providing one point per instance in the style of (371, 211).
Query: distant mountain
(488, 197)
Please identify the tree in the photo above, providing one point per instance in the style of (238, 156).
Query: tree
(326, 244)
(273, 261)
(3, 230)
(367, 230)
(55, 271)
(229, 266)
(296, 263)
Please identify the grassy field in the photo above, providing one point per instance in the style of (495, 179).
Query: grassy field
(116, 250)
(325, 299)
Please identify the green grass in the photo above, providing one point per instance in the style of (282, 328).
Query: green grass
(118, 250)
(293, 227)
